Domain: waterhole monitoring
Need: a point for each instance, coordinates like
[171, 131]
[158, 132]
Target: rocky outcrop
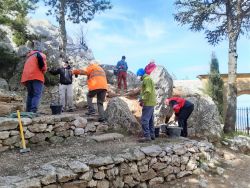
[163, 87]
[119, 116]
[147, 166]
[205, 121]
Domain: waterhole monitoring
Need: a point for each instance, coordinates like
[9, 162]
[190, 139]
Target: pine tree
[215, 84]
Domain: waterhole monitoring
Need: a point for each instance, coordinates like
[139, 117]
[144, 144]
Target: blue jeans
[34, 88]
[147, 121]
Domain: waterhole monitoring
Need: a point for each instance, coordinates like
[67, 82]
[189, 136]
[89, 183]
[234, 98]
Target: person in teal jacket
[147, 101]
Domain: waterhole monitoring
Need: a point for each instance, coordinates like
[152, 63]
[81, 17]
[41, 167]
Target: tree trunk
[231, 106]
[63, 33]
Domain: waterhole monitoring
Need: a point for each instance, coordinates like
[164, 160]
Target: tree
[220, 19]
[13, 14]
[215, 84]
[76, 11]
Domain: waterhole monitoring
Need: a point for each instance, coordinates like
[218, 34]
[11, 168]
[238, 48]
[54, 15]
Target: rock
[118, 182]
[191, 165]
[102, 184]
[102, 128]
[11, 140]
[4, 84]
[150, 174]
[49, 174]
[186, 88]
[183, 173]
[240, 143]
[220, 170]
[158, 166]
[75, 184]
[112, 173]
[171, 177]
[205, 118]
[92, 183]
[3, 148]
[4, 135]
[119, 116]
[129, 181]
[14, 133]
[37, 128]
[165, 172]
[163, 88]
[34, 183]
[65, 175]
[127, 169]
[40, 137]
[152, 151]
[99, 175]
[87, 176]
[8, 123]
[100, 161]
[78, 131]
[179, 150]
[80, 122]
[77, 166]
[156, 181]
[90, 128]
[107, 137]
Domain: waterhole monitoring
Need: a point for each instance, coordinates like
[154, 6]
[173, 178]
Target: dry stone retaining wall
[138, 167]
[53, 129]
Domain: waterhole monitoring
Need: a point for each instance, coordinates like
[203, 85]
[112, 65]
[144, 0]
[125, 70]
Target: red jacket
[31, 69]
[180, 103]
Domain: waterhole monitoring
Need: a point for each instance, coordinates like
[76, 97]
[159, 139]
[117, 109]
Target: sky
[145, 29]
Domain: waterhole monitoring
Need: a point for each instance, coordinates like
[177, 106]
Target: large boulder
[119, 116]
[239, 143]
[186, 88]
[205, 120]
[4, 84]
[163, 87]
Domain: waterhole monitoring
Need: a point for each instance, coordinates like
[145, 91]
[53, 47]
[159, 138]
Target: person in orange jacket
[183, 109]
[33, 78]
[97, 85]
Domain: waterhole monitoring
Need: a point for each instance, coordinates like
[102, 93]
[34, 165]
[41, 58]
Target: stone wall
[135, 167]
[52, 129]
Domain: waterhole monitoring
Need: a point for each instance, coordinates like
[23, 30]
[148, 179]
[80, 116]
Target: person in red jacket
[33, 78]
[183, 109]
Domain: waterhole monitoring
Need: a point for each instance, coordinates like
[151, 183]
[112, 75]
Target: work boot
[144, 139]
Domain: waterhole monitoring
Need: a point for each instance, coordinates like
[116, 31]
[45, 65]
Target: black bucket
[56, 109]
[157, 131]
[174, 131]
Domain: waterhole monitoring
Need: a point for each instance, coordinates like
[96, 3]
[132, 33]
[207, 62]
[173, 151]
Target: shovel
[24, 149]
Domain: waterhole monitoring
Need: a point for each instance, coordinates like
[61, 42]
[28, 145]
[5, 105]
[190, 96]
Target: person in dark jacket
[122, 68]
[65, 86]
[183, 109]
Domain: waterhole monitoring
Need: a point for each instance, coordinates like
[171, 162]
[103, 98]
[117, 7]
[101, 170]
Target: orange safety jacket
[96, 77]
[31, 70]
